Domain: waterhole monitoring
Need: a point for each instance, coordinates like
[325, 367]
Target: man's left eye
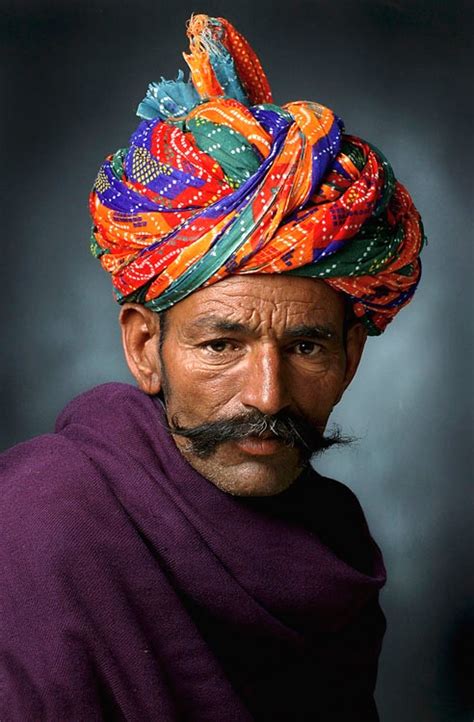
[306, 348]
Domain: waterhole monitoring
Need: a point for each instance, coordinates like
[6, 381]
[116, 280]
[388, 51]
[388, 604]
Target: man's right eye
[219, 345]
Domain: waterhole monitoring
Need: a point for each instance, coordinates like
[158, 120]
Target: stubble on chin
[244, 477]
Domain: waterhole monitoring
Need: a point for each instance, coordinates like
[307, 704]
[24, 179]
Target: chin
[241, 474]
[254, 489]
[252, 480]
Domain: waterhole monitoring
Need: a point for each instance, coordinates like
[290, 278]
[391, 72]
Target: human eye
[219, 346]
[306, 348]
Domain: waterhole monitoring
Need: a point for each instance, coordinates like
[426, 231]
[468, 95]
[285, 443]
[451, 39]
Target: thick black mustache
[294, 431]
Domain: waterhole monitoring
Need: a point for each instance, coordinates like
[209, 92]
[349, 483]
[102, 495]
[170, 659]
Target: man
[169, 553]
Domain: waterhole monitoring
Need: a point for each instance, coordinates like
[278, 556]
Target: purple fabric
[132, 588]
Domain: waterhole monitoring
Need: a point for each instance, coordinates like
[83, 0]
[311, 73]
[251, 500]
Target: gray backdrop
[398, 73]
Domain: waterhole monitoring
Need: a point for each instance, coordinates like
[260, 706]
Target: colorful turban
[218, 180]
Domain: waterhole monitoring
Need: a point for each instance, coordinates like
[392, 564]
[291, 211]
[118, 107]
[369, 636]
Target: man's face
[267, 343]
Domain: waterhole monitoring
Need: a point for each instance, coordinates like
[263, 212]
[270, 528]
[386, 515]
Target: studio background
[398, 73]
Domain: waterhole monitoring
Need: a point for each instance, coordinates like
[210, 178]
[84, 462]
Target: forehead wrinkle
[230, 293]
[216, 323]
[238, 310]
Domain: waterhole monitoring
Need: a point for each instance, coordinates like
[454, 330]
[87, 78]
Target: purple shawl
[133, 589]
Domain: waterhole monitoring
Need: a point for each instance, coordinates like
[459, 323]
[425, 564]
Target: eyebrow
[318, 332]
[221, 325]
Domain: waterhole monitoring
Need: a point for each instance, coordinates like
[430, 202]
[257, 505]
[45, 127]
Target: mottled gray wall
[398, 73]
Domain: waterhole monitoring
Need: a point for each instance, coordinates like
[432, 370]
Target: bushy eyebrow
[319, 332]
[221, 325]
[215, 324]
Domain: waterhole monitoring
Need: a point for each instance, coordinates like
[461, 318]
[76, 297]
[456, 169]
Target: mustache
[291, 429]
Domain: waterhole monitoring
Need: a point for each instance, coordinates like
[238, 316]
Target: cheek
[198, 388]
[315, 394]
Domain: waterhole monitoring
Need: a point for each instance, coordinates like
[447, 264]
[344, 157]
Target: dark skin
[265, 342]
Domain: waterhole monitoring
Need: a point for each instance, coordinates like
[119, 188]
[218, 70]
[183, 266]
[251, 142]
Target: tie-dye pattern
[218, 180]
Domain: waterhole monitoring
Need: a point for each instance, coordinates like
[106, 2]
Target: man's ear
[356, 337]
[141, 342]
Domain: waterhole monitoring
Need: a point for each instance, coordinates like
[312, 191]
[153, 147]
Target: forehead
[270, 300]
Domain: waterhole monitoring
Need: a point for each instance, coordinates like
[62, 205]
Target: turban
[218, 180]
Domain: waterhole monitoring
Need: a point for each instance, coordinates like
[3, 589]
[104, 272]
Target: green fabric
[236, 156]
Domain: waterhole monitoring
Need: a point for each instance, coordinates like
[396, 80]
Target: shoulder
[41, 466]
[60, 492]
[37, 467]
[45, 486]
[56, 505]
[105, 407]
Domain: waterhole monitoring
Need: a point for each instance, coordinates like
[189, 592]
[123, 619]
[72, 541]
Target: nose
[265, 386]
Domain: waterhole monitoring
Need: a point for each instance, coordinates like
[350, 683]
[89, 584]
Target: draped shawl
[133, 588]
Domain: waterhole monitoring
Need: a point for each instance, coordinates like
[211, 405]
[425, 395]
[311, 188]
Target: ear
[141, 339]
[355, 341]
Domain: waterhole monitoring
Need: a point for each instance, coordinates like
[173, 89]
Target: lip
[258, 446]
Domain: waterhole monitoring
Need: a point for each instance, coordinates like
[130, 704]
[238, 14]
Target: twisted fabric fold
[218, 180]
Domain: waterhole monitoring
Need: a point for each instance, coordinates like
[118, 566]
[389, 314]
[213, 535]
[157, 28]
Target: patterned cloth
[218, 180]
